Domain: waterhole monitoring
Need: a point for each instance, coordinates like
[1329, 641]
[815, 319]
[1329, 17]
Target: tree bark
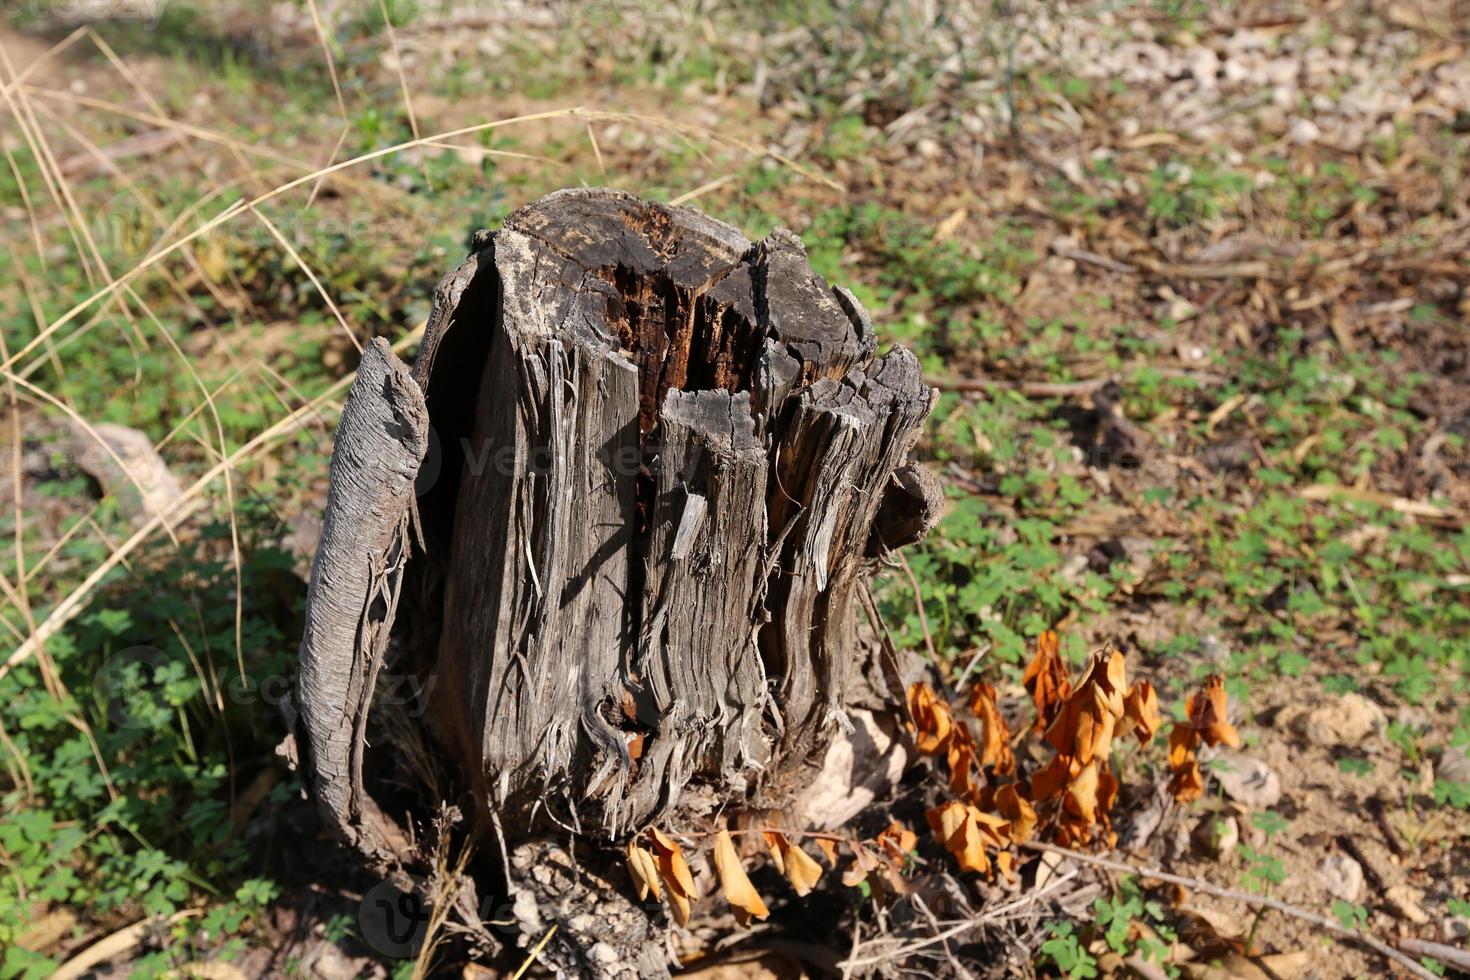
[655, 464]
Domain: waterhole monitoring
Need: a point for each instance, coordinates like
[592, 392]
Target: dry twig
[1235, 895]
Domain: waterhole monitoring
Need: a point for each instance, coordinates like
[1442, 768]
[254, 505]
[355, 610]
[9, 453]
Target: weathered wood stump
[621, 515]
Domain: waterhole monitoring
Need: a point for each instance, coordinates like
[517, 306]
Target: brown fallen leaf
[737, 889]
[644, 870]
[672, 867]
[1205, 721]
[995, 738]
[1046, 679]
[946, 228]
[1018, 811]
[50, 929]
[933, 721]
[793, 862]
[1141, 711]
[1233, 966]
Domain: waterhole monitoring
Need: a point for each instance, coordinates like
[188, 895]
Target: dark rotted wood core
[679, 463]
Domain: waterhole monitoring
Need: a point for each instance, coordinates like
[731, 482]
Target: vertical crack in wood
[711, 461]
[669, 462]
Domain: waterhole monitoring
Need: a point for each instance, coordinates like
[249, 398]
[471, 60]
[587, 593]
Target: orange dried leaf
[776, 844]
[1107, 795]
[672, 867]
[1186, 784]
[1141, 711]
[933, 720]
[1019, 813]
[959, 828]
[1051, 780]
[944, 818]
[1182, 740]
[1209, 711]
[828, 847]
[679, 904]
[961, 758]
[738, 890]
[1111, 675]
[1046, 679]
[1081, 799]
[991, 825]
[897, 841]
[801, 870]
[793, 862]
[1206, 711]
[995, 737]
[644, 871]
[1084, 725]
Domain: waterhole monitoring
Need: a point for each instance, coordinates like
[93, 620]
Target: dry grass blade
[315, 282]
[8, 88]
[112, 946]
[535, 952]
[903, 949]
[188, 502]
[702, 189]
[240, 207]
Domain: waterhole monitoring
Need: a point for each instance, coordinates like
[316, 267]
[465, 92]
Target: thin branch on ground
[1235, 895]
[1064, 389]
[985, 917]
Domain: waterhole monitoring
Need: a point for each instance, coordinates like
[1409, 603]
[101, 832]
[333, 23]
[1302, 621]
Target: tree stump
[619, 519]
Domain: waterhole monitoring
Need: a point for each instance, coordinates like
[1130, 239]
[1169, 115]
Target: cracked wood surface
[662, 462]
[354, 591]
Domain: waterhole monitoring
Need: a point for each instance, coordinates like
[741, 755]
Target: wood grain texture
[648, 601]
[355, 586]
[655, 465]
